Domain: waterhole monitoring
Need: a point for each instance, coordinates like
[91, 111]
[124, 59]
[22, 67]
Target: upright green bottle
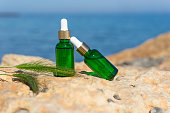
[64, 49]
[95, 60]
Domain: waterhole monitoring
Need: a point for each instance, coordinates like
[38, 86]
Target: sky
[85, 6]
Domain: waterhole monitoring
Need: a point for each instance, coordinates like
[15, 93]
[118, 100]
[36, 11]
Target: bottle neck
[64, 40]
[83, 49]
[87, 53]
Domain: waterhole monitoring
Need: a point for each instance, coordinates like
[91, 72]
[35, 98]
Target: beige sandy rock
[14, 59]
[134, 92]
[165, 65]
[134, 89]
[156, 48]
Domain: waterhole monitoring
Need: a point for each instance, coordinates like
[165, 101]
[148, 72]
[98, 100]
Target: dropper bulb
[75, 42]
[64, 26]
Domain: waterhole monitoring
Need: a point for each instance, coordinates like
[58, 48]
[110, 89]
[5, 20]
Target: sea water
[37, 34]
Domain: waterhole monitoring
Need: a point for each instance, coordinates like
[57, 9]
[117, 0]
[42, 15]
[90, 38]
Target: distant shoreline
[8, 14]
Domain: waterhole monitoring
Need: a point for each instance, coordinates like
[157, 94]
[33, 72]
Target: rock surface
[154, 48]
[13, 59]
[135, 89]
[144, 62]
[135, 93]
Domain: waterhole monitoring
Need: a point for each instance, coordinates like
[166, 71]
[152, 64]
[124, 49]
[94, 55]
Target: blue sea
[37, 34]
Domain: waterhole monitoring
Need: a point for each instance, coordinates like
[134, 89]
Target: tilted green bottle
[64, 49]
[95, 60]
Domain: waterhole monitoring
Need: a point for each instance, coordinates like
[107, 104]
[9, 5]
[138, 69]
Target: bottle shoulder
[93, 54]
[64, 45]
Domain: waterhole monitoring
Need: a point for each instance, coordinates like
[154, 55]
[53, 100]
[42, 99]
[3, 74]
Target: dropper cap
[75, 42]
[82, 48]
[64, 33]
[64, 26]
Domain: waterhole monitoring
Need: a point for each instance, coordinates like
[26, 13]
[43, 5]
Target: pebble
[156, 110]
[44, 90]
[116, 96]
[101, 90]
[110, 100]
[22, 111]
[119, 78]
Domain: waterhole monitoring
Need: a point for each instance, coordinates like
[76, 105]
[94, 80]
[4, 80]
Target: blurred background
[31, 27]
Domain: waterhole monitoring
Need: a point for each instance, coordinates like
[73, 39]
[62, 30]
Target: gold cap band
[64, 34]
[83, 49]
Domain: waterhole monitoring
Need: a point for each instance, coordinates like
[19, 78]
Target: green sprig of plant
[38, 67]
[28, 80]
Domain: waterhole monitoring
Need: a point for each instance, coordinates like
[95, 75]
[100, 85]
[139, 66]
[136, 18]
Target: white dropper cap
[75, 42]
[64, 26]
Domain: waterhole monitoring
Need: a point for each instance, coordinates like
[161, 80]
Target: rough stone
[153, 53]
[14, 59]
[134, 89]
[93, 95]
[154, 48]
[144, 62]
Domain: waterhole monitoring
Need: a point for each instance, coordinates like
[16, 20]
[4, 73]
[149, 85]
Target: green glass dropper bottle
[64, 49]
[95, 60]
